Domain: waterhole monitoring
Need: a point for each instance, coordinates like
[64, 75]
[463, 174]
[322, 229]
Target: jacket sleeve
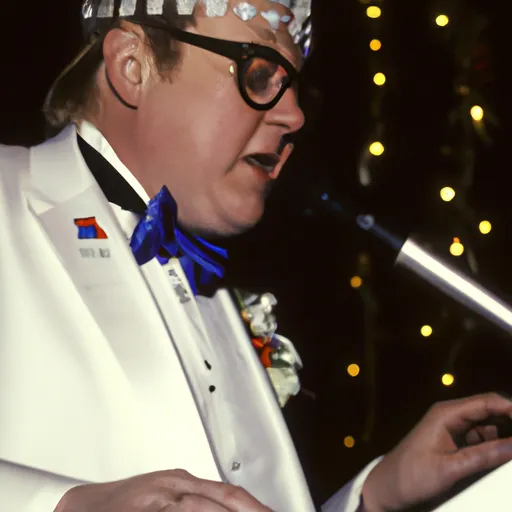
[27, 490]
[23, 489]
[348, 499]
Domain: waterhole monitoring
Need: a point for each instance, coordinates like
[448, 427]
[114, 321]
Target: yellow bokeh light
[447, 194]
[477, 113]
[349, 442]
[485, 227]
[456, 249]
[442, 20]
[373, 12]
[375, 45]
[356, 282]
[353, 370]
[376, 148]
[447, 379]
[426, 331]
[379, 79]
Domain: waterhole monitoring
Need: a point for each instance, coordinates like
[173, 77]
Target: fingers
[193, 503]
[232, 498]
[480, 434]
[475, 459]
[459, 415]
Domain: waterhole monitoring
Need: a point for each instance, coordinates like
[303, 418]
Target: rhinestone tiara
[299, 27]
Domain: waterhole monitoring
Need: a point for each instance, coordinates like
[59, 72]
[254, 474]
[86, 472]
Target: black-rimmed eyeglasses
[263, 74]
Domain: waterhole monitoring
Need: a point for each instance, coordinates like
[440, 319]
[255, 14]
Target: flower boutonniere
[277, 353]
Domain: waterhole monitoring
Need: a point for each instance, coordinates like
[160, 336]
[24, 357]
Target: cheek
[191, 139]
[222, 123]
[202, 130]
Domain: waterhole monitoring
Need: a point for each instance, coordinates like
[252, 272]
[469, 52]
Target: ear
[127, 61]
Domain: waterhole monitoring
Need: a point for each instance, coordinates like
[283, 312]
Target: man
[128, 380]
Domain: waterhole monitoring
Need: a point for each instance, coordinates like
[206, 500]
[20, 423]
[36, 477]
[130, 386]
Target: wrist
[373, 497]
[368, 501]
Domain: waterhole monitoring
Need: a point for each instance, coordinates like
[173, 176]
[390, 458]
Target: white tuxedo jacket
[104, 372]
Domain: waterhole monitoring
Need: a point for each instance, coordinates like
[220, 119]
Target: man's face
[194, 131]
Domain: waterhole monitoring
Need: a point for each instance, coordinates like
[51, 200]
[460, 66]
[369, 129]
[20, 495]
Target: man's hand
[164, 491]
[428, 462]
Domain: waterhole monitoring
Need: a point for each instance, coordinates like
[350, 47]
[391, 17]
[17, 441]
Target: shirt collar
[96, 140]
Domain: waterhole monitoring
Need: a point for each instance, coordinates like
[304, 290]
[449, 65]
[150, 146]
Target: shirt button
[235, 466]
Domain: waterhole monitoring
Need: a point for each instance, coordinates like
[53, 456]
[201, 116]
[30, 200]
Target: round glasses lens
[263, 80]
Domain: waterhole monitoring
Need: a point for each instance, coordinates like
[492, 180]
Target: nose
[287, 113]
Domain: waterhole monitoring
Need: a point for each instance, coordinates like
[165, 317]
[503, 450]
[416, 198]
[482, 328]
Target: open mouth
[265, 161]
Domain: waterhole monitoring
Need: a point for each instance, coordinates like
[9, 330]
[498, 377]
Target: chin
[224, 227]
[241, 226]
[242, 221]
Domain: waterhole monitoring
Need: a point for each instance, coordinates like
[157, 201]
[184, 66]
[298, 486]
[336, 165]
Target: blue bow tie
[158, 235]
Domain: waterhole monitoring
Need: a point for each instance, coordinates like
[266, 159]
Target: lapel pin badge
[89, 229]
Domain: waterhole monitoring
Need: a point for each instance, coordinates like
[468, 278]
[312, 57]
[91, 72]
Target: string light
[442, 20]
[353, 370]
[356, 282]
[485, 227]
[456, 249]
[426, 331]
[376, 148]
[349, 442]
[477, 112]
[447, 194]
[373, 12]
[379, 79]
[447, 379]
[375, 45]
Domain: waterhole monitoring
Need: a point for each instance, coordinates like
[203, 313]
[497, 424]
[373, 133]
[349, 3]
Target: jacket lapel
[121, 310]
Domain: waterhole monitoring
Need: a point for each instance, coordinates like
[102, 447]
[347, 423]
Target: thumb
[474, 459]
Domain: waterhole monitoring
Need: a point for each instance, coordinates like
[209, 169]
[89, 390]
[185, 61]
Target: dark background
[307, 261]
